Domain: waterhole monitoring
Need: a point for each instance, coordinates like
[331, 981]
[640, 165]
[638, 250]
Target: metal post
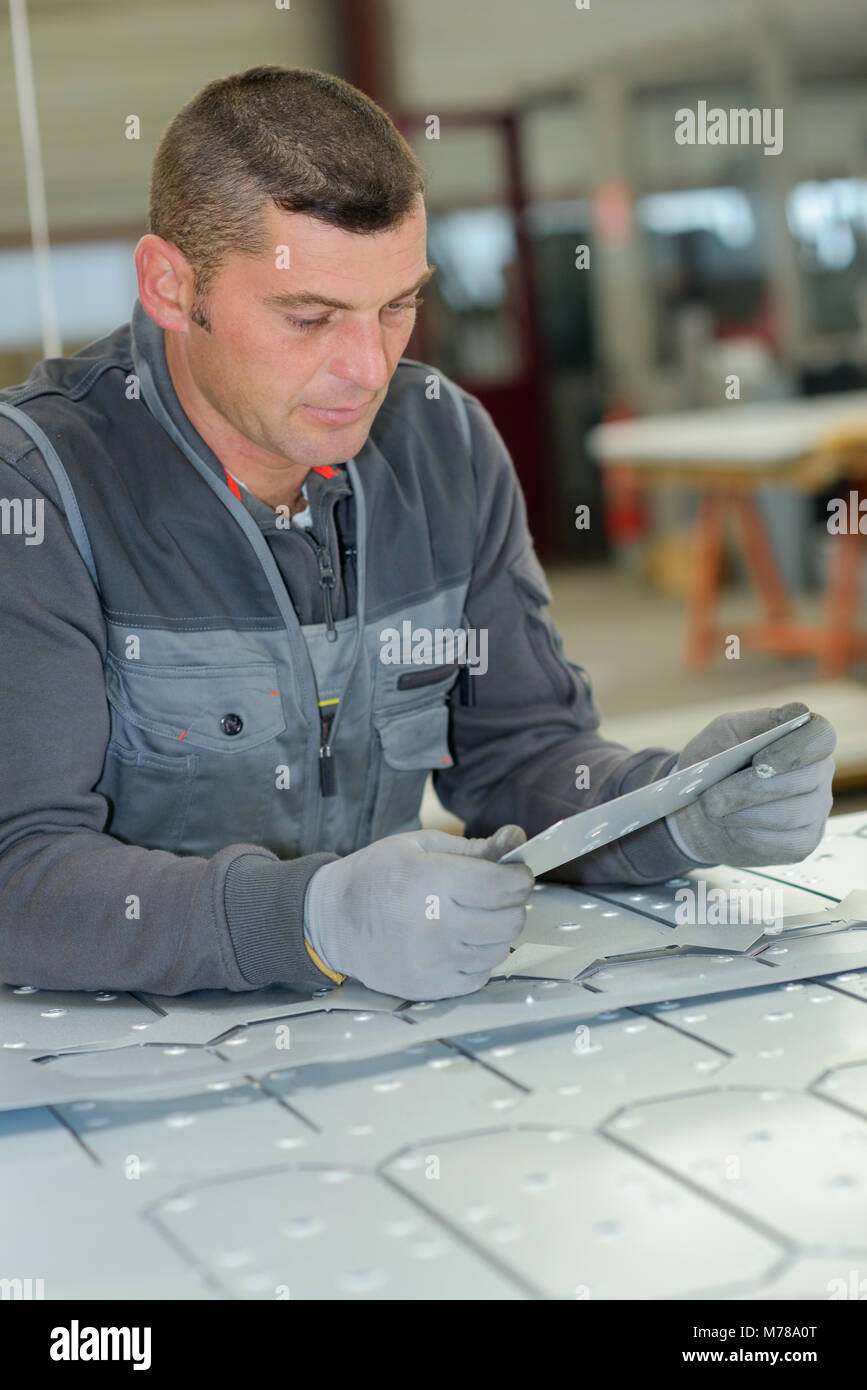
[22, 59]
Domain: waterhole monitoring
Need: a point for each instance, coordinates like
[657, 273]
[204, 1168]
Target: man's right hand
[424, 915]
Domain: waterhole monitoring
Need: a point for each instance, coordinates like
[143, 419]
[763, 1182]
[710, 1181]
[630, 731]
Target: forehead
[305, 253]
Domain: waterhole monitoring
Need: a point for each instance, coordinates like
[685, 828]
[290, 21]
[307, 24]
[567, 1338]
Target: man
[215, 737]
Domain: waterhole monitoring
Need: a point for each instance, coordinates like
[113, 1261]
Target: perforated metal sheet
[329, 1233]
[361, 1113]
[229, 1127]
[851, 982]
[847, 1085]
[770, 1035]
[836, 867]
[790, 1162]
[698, 1090]
[580, 1217]
[584, 832]
[45, 1019]
[573, 1072]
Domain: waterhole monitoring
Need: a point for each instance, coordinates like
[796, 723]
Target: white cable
[22, 59]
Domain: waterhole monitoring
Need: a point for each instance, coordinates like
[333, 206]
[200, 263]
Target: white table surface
[740, 436]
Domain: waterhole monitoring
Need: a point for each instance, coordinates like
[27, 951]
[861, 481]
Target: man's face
[291, 372]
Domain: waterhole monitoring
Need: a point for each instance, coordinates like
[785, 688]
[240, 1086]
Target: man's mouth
[340, 416]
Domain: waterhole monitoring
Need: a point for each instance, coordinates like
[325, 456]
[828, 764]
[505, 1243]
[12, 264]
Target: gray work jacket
[195, 712]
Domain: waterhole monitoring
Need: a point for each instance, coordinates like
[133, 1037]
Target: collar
[149, 349]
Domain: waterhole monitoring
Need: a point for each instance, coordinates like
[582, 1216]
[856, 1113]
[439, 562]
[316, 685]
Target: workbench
[634, 1108]
[731, 455]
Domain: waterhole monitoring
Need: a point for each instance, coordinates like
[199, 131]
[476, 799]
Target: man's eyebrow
[287, 300]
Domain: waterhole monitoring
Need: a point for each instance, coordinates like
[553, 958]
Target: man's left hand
[772, 812]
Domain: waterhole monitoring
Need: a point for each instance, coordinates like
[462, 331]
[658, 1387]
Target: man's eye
[307, 325]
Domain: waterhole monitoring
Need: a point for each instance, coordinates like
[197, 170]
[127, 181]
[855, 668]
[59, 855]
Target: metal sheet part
[573, 1073]
[852, 982]
[360, 1115]
[684, 1115]
[811, 1278]
[229, 1127]
[201, 1016]
[580, 1218]
[803, 956]
[580, 834]
[677, 976]
[770, 1034]
[846, 1086]
[45, 1019]
[791, 1163]
[836, 867]
[330, 1233]
[718, 902]
[341, 1035]
[77, 1229]
[28, 1079]
[567, 931]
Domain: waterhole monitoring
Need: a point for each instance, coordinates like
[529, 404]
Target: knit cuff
[674, 828]
[655, 851]
[264, 900]
[654, 854]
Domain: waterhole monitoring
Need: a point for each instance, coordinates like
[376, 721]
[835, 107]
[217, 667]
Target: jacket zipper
[327, 716]
[327, 768]
[327, 582]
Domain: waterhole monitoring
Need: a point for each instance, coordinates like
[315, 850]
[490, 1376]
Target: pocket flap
[416, 739]
[199, 705]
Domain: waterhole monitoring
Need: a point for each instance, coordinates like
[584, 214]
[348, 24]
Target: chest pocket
[190, 764]
[411, 740]
[226, 709]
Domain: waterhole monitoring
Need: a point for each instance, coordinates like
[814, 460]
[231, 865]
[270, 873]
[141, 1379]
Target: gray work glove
[423, 915]
[773, 812]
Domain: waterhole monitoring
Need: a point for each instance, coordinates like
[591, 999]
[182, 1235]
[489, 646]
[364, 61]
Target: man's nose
[361, 357]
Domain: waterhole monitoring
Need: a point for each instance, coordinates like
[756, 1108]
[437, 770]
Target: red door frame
[519, 405]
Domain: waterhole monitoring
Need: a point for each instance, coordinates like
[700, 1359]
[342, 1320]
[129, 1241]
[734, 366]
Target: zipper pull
[327, 769]
[327, 582]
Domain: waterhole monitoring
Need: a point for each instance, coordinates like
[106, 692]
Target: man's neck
[294, 505]
[276, 486]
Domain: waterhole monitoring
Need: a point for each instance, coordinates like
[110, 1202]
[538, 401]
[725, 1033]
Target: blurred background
[704, 304]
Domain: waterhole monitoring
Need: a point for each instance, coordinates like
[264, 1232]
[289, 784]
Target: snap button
[231, 723]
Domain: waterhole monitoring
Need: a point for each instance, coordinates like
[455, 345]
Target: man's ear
[166, 285]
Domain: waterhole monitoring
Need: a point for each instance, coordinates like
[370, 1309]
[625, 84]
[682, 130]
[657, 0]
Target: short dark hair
[306, 140]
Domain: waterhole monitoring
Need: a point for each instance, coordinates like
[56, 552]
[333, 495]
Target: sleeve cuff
[674, 830]
[264, 900]
[655, 854]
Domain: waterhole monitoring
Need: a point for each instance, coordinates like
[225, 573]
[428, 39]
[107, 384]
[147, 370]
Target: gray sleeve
[78, 909]
[521, 746]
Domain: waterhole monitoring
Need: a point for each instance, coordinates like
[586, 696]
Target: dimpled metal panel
[630, 1082]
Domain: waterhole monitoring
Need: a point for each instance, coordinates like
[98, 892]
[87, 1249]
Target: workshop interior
[624, 453]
